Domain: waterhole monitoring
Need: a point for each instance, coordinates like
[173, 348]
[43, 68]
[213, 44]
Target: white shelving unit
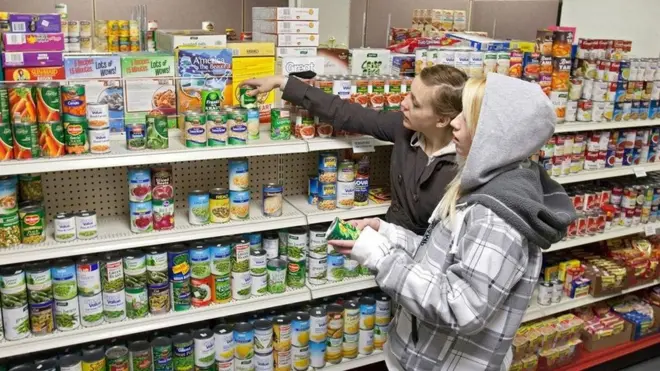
[349, 364]
[584, 175]
[314, 215]
[615, 232]
[338, 288]
[570, 127]
[325, 144]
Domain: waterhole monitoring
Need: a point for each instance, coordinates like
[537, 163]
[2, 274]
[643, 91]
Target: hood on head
[516, 119]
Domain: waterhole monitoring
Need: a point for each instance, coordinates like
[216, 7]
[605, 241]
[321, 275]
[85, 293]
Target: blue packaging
[654, 110]
[313, 190]
[627, 156]
[238, 175]
[328, 161]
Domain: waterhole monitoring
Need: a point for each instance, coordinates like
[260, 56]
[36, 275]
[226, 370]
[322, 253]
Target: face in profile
[417, 108]
[462, 138]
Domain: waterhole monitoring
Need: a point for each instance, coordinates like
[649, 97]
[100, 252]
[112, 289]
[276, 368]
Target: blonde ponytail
[473, 94]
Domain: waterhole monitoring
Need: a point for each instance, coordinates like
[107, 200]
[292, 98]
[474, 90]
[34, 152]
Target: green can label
[181, 295]
[53, 136]
[162, 357]
[137, 304]
[48, 103]
[34, 138]
[4, 105]
[157, 132]
[341, 230]
[280, 124]
[296, 274]
[221, 289]
[33, 225]
[75, 137]
[245, 100]
[6, 142]
[211, 99]
[22, 141]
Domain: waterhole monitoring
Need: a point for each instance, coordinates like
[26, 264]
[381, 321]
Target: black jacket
[416, 187]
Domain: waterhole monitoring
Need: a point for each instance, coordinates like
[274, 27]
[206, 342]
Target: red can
[576, 163]
[628, 215]
[559, 146]
[618, 157]
[602, 158]
[578, 201]
[602, 220]
[590, 200]
[591, 161]
[582, 224]
[592, 223]
[605, 197]
[617, 195]
[637, 216]
[571, 231]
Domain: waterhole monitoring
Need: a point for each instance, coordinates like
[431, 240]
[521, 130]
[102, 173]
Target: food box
[45, 23]
[34, 73]
[403, 65]
[97, 74]
[149, 85]
[199, 68]
[369, 62]
[32, 59]
[286, 27]
[300, 51]
[336, 60]
[245, 68]
[33, 42]
[285, 14]
[479, 43]
[251, 49]
[287, 40]
[288, 65]
[169, 40]
[594, 343]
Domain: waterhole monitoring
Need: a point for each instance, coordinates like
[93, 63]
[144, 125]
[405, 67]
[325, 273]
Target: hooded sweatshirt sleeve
[489, 261]
[342, 114]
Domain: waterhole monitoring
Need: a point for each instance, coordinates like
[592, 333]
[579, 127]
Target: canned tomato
[194, 129]
[198, 207]
[162, 182]
[239, 205]
[237, 126]
[136, 136]
[241, 285]
[163, 214]
[33, 224]
[141, 214]
[216, 128]
[277, 269]
[224, 343]
[280, 124]
[139, 184]
[305, 125]
[219, 205]
[157, 135]
[239, 179]
[272, 199]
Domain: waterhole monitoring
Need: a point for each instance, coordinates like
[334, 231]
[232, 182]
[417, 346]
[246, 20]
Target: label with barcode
[288, 40]
[649, 229]
[285, 25]
[15, 39]
[19, 27]
[13, 58]
[286, 11]
[639, 172]
[363, 145]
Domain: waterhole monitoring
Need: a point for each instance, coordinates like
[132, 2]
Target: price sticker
[639, 172]
[649, 230]
[363, 145]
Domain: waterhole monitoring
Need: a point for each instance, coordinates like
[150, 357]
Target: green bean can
[295, 276]
[33, 224]
[181, 295]
[211, 99]
[112, 272]
[245, 100]
[277, 276]
[159, 298]
[297, 244]
[280, 124]
[157, 136]
[137, 303]
[12, 287]
[204, 349]
[114, 306]
[363, 271]
[156, 260]
[161, 351]
[184, 359]
[135, 269]
[39, 283]
[117, 358]
[341, 230]
[140, 356]
[221, 289]
[30, 187]
[240, 255]
[283, 238]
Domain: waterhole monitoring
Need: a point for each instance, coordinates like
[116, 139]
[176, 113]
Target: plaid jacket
[469, 299]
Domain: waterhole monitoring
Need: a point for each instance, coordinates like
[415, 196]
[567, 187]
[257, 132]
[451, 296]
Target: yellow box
[252, 49]
[245, 68]
[524, 46]
[563, 267]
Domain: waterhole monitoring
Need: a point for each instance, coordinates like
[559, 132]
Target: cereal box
[33, 42]
[199, 68]
[34, 74]
[32, 59]
[101, 76]
[149, 85]
[259, 62]
[45, 23]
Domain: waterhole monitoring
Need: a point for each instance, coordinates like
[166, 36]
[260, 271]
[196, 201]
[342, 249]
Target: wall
[635, 20]
[335, 19]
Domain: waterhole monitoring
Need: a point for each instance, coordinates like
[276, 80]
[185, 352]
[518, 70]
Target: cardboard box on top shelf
[32, 59]
[33, 42]
[593, 344]
[369, 62]
[169, 40]
[285, 14]
[296, 51]
[287, 39]
[34, 73]
[480, 43]
[251, 49]
[285, 27]
[23, 22]
[336, 60]
[250, 60]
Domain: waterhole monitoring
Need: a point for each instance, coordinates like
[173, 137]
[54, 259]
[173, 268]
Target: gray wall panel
[516, 19]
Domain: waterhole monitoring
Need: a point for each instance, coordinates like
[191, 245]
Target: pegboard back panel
[297, 168]
[106, 190]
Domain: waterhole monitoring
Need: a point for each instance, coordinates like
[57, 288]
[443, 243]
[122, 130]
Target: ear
[442, 123]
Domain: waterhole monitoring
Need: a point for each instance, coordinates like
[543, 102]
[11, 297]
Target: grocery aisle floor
[651, 364]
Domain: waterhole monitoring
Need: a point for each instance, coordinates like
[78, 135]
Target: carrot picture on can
[21, 104]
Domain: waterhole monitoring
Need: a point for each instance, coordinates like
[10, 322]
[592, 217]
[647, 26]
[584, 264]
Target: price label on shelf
[363, 145]
[639, 172]
[649, 230]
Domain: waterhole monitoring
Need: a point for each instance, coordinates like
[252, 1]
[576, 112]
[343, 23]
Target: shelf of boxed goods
[586, 175]
[570, 127]
[349, 364]
[314, 215]
[115, 234]
[536, 311]
[615, 232]
[121, 156]
[33, 344]
[327, 144]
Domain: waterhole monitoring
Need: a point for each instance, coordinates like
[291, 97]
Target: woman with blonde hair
[423, 159]
[464, 286]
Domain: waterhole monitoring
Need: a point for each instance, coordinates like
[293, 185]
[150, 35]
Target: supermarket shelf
[121, 156]
[314, 215]
[323, 144]
[338, 288]
[536, 311]
[115, 234]
[349, 364]
[586, 126]
[127, 327]
[587, 360]
[615, 232]
[584, 176]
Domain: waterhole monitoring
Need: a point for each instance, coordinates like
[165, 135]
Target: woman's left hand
[346, 246]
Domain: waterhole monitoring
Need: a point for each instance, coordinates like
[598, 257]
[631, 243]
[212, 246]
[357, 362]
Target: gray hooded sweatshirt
[469, 284]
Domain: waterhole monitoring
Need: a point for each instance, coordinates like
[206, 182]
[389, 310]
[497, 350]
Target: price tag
[649, 230]
[363, 145]
[639, 172]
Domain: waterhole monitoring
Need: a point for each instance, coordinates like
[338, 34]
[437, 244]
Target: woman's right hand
[264, 84]
[345, 246]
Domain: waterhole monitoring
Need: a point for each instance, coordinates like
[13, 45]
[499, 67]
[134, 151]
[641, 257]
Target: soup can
[272, 199]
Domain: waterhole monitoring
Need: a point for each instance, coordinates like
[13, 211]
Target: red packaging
[605, 197]
[578, 201]
[582, 225]
[591, 201]
[34, 74]
[617, 194]
[571, 231]
[602, 157]
[602, 220]
[592, 223]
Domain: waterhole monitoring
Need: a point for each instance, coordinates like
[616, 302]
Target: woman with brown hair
[423, 158]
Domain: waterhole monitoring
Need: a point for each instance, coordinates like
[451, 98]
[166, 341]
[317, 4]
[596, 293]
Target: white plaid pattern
[469, 304]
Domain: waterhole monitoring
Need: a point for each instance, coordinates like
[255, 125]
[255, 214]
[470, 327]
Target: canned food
[300, 329]
[139, 184]
[240, 258]
[219, 205]
[318, 271]
[137, 302]
[245, 100]
[216, 128]
[327, 203]
[88, 276]
[335, 263]
[277, 269]
[162, 354]
[94, 360]
[159, 298]
[253, 124]
[272, 199]
[211, 99]
[243, 341]
[318, 325]
[183, 357]
[194, 129]
[224, 342]
[86, 225]
[141, 215]
[297, 244]
[263, 337]
[181, 295]
[221, 289]
[200, 268]
[204, 349]
[295, 277]
[91, 310]
[241, 285]
[345, 195]
[280, 124]
[198, 207]
[157, 131]
[33, 224]
[239, 179]
[99, 140]
[239, 205]
[237, 126]
[178, 257]
[351, 317]
[136, 136]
